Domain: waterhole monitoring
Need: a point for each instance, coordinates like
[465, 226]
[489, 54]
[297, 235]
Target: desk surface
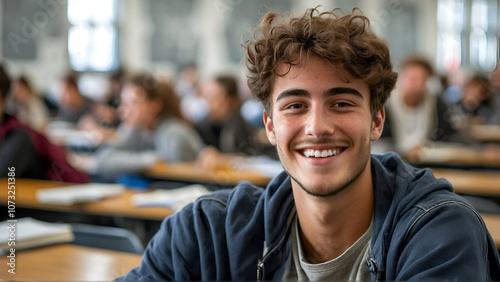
[459, 155]
[485, 133]
[116, 206]
[189, 172]
[472, 182]
[493, 224]
[66, 262]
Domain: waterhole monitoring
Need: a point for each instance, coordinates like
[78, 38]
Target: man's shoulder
[407, 184]
[244, 196]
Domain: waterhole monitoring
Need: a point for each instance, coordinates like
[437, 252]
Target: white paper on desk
[174, 199]
[69, 195]
[264, 165]
[31, 233]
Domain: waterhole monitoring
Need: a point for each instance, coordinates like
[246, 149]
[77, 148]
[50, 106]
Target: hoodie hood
[398, 187]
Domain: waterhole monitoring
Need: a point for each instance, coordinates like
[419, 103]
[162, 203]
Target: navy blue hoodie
[421, 231]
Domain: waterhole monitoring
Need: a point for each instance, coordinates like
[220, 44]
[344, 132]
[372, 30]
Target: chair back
[105, 237]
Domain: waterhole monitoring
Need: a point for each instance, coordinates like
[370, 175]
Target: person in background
[336, 212]
[105, 113]
[476, 104]
[224, 130]
[27, 106]
[72, 105]
[495, 84]
[193, 106]
[415, 116]
[103, 119]
[28, 152]
[150, 108]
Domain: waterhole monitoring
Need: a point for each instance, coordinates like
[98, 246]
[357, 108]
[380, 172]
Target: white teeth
[319, 154]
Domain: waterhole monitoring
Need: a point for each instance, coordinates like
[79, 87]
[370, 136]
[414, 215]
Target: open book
[27, 233]
[68, 195]
[174, 199]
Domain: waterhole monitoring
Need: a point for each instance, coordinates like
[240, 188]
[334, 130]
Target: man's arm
[190, 245]
[448, 242]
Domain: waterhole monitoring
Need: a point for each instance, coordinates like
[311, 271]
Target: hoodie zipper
[260, 263]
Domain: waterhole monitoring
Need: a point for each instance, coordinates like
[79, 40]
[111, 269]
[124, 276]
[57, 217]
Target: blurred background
[68, 60]
[47, 38]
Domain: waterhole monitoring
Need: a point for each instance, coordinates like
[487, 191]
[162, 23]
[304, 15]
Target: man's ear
[268, 123]
[378, 124]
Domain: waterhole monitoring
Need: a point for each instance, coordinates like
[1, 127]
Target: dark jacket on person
[421, 231]
[32, 155]
[235, 135]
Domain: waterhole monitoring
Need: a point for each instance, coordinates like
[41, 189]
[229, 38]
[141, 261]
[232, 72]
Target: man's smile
[321, 153]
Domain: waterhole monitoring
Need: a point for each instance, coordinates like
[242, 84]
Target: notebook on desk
[174, 199]
[25, 233]
[69, 195]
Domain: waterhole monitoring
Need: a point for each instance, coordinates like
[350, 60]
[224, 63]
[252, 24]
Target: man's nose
[319, 123]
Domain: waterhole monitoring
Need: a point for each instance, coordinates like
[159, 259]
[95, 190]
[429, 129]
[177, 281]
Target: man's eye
[342, 104]
[295, 106]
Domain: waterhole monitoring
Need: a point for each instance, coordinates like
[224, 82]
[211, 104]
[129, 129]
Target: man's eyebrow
[330, 92]
[293, 92]
[343, 90]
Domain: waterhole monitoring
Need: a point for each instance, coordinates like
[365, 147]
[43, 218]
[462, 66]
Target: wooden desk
[189, 172]
[485, 133]
[65, 262]
[472, 182]
[116, 206]
[459, 155]
[493, 224]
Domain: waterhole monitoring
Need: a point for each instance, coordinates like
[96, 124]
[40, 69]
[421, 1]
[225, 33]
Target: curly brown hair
[343, 40]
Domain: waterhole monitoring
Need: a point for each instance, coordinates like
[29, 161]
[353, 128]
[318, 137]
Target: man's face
[70, 97]
[474, 94]
[413, 84]
[217, 99]
[322, 126]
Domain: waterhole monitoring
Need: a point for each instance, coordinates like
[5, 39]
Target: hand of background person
[211, 159]
[416, 154]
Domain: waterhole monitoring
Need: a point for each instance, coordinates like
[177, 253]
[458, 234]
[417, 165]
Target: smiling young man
[336, 212]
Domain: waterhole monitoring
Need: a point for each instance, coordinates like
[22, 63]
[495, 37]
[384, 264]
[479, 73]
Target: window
[467, 34]
[483, 37]
[92, 38]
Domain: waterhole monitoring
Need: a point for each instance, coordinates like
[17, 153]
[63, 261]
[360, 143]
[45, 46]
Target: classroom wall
[148, 29]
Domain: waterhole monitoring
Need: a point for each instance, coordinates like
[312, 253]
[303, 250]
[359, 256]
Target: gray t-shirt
[350, 266]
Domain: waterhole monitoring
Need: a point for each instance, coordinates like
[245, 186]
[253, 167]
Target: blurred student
[228, 135]
[150, 108]
[72, 105]
[103, 117]
[414, 115]
[28, 152]
[495, 83]
[106, 112]
[476, 105]
[193, 106]
[28, 107]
